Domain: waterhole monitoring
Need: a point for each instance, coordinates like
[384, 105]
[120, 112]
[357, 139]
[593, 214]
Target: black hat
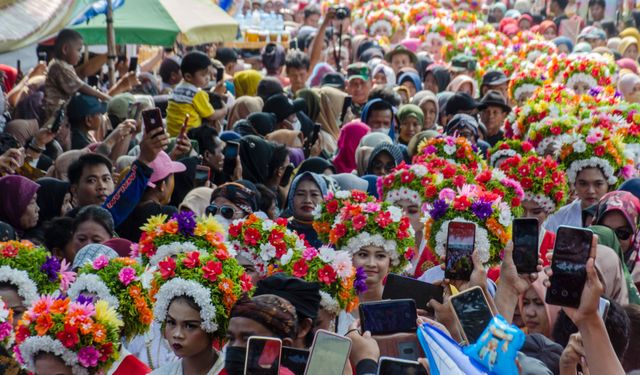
[335, 80]
[495, 99]
[303, 295]
[371, 53]
[401, 50]
[83, 105]
[283, 107]
[263, 123]
[460, 101]
[494, 77]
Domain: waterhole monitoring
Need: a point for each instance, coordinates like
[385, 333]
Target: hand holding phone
[152, 119]
[400, 287]
[525, 245]
[388, 317]
[472, 311]
[203, 174]
[329, 354]
[460, 244]
[185, 124]
[263, 356]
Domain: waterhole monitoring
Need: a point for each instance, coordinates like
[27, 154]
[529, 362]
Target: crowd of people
[285, 184]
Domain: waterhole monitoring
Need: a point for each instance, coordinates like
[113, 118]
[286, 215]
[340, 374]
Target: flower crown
[463, 19]
[6, 325]
[268, 244]
[86, 336]
[590, 70]
[125, 285]
[547, 132]
[554, 65]
[327, 213]
[525, 82]
[471, 203]
[508, 189]
[457, 150]
[183, 232]
[422, 12]
[214, 282]
[467, 5]
[534, 49]
[630, 112]
[509, 148]
[405, 182]
[382, 18]
[441, 28]
[522, 38]
[33, 270]
[508, 64]
[544, 181]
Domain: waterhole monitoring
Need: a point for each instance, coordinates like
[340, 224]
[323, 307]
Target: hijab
[394, 150]
[350, 136]
[52, 192]
[289, 138]
[630, 31]
[316, 164]
[242, 193]
[312, 99]
[614, 274]
[626, 84]
[410, 110]
[627, 63]
[349, 181]
[544, 25]
[197, 200]
[22, 130]
[310, 176]
[441, 74]
[551, 310]
[626, 43]
[255, 156]
[629, 206]
[242, 108]
[413, 77]
[16, 193]
[246, 82]
[319, 71]
[331, 103]
[388, 72]
[460, 80]
[563, 40]
[91, 252]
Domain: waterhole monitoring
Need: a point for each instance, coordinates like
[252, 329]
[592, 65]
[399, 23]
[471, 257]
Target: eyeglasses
[226, 211]
[623, 234]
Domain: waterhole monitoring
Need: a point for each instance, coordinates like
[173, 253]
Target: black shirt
[130, 228]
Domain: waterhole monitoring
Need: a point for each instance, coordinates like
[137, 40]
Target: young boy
[188, 96]
[62, 81]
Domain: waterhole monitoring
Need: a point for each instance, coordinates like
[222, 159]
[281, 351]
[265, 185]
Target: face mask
[295, 124]
[381, 130]
[223, 221]
[234, 360]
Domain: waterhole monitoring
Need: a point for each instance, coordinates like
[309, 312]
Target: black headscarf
[303, 295]
[50, 197]
[242, 193]
[268, 87]
[394, 150]
[263, 123]
[274, 312]
[255, 156]
[316, 164]
[184, 181]
[442, 76]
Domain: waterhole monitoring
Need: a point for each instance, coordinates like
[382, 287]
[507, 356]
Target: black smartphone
[42, 56]
[387, 317]
[525, 244]
[19, 66]
[286, 176]
[133, 64]
[230, 153]
[329, 354]
[473, 313]
[312, 139]
[345, 107]
[460, 242]
[569, 265]
[397, 366]
[401, 287]
[219, 74]
[58, 120]
[152, 119]
[294, 359]
[263, 356]
[203, 174]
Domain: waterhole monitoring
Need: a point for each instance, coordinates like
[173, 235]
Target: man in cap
[358, 85]
[493, 110]
[285, 110]
[496, 80]
[460, 102]
[400, 57]
[462, 64]
[85, 114]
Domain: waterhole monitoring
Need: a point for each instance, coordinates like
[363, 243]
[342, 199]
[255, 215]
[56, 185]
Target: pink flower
[627, 171]
[66, 277]
[100, 262]
[127, 275]
[309, 253]
[5, 330]
[81, 310]
[372, 207]
[447, 194]
[88, 356]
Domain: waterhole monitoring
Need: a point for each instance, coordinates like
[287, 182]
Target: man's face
[297, 77]
[312, 20]
[380, 119]
[358, 89]
[597, 12]
[493, 118]
[399, 61]
[94, 187]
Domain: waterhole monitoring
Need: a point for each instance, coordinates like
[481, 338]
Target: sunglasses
[623, 234]
[226, 211]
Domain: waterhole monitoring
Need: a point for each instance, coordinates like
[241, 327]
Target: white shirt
[175, 368]
[570, 214]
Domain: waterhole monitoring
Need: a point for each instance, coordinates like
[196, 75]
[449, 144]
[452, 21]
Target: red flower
[548, 187]
[557, 177]
[524, 170]
[555, 130]
[192, 260]
[281, 221]
[167, 267]
[235, 230]
[332, 206]
[484, 177]
[504, 146]
[252, 236]
[281, 249]
[10, 251]
[387, 180]
[22, 333]
[430, 191]
[460, 153]
[540, 172]
[359, 196]
[598, 150]
[69, 337]
[405, 223]
[515, 202]
[222, 254]
[526, 146]
[448, 171]
[359, 222]
[459, 180]
[327, 275]
[245, 282]
[461, 203]
[211, 270]
[383, 219]
[407, 176]
[105, 351]
[559, 195]
[276, 236]
[526, 183]
[409, 254]
[300, 268]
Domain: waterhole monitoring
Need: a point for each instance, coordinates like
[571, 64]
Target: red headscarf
[350, 136]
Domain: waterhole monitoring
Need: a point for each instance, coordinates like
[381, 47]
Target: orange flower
[229, 300]
[41, 307]
[170, 227]
[59, 306]
[99, 333]
[250, 220]
[226, 285]
[127, 261]
[566, 152]
[497, 230]
[134, 291]
[321, 227]
[146, 316]
[43, 324]
[352, 304]
[87, 327]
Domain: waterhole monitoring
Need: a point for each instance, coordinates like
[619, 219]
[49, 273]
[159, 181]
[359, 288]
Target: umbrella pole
[111, 45]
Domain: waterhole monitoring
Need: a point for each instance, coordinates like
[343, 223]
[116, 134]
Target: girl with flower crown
[8, 365]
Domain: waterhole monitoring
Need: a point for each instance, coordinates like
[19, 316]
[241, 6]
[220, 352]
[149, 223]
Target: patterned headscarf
[275, 313]
[629, 206]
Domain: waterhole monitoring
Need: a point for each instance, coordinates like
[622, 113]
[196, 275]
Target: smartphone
[152, 119]
[286, 175]
[185, 124]
[42, 56]
[473, 313]
[525, 244]
[345, 107]
[396, 366]
[263, 356]
[461, 238]
[203, 174]
[387, 317]
[603, 308]
[294, 359]
[58, 120]
[312, 139]
[569, 265]
[329, 354]
[219, 74]
[133, 64]
[401, 287]
[230, 153]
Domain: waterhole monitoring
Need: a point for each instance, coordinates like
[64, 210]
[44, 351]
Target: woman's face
[87, 233]
[534, 313]
[466, 87]
[325, 320]
[240, 329]
[66, 204]
[533, 209]
[238, 213]
[430, 83]
[183, 331]
[616, 221]
[631, 52]
[382, 164]
[49, 364]
[380, 78]
[581, 88]
[563, 48]
[430, 113]
[411, 87]
[550, 33]
[408, 128]
[524, 24]
[305, 200]
[375, 261]
[10, 297]
[29, 218]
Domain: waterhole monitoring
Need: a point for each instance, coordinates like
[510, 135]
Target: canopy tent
[163, 22]
[24, 22]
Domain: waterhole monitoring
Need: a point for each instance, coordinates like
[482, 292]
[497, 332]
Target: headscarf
[630, 31]
[122, 246]
[613, 43]
[91, 252]
[22, 130]
[51, 197]
[197, 200]
[273, 312]
[255, 155]
[242, 108]
[7, 233]
[626, 43]
[242, 193]
[268, 87]
[262, 123]
[316, 164]
[246, 82]
[582, 47]
[310, 176]
[394, 150]
[331, 103]
[629, 206]
[388, 72]
[627, 63]
[563, 40]
[289, 138]
[363, 153]
[318, 73]
[350, 136]
[61, 165]
[412, 147]
[349, 181]
[544, 25]
[461, 121]
[626, 84]
[443, 97]
[441, 74]
[460, 80]
[410, 110]
[551, 310]
[303, 295]
[413, 77]
[16, 193]
[632, 185]
[296, 156]
[312, 99]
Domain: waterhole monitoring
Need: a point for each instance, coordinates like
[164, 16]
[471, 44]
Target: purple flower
[439, 209]
[51, 267]
[481, 209]
[88, 356]
[127, 275]
[186, 222]
[84, 299]
[595, 91]
[359, 284]
[431, 149]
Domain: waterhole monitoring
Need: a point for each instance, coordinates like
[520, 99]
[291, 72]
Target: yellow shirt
[187, 98]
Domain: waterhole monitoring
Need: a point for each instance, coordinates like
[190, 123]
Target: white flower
[180, 287]
[267, 251]
[603, 164]
[396, 213]
[343, 265]
[37, 344]
[299, 244]
[343, 194]
[317, 210]
[365, 239]
[27, 289]
[542, 200]
[326, 254]
[449, 149]
[505, 218]
[286, 257]
[92, 283]
[419, 170]
[498, 174]
[438, 178]
[147, 276]
[579, 147]
[267, 225]
[329, 303]
[173, 248]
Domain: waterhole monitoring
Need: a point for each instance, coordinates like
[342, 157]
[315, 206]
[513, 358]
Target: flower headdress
[32, 270]
[467, 5]
[543, 180]
[508, 189]
[183, 232]
[534, 49]
[554, 65]
[463, 19]
[404, 182]
[125, 285]
[84, 335]
[508, 64]
[420, 13]
[547, 132]
[523, 37]
[525, 82]
[267, 244]
[214, 282]
[630, 112]
[440, 28]
[457, 150]
[382, 20]
[509, 148]
[6, 327]
[588, 69]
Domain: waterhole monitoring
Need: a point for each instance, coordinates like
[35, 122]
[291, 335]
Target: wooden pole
[111, 45]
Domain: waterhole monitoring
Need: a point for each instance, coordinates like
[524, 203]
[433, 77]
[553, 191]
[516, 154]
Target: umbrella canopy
[163, 22]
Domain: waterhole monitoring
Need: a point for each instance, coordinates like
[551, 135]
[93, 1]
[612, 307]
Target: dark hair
[8, 141]
[188, 300]
[58, 232]
[96, 214]
[168, 67]
[562, 3]
[206, 137]
[297, 59]
[311, 10]
[280, 153]
[87, 160]
[267, 87]
[267, 198]
[631, 359]
[597, 2]
[193, 62]
[387, 94]
[64, 37]
[226, 55]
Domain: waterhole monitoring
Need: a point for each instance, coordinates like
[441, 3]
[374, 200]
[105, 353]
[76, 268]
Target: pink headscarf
[627, 63]
[626, 84]
[16, 193]
[411, 44]
[551, 310]
[350, 136]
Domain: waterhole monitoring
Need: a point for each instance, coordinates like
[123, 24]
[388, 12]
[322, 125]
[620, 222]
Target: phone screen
[395, 366]
[294, 359]
[460, 243]
[219, 74]
[473, 312]
[133, 64]
[386, 317]
[152, 119]
[525, 244]
[570, 254]
[263, 356]
[329, 354]
[202, 175]
[400, 287]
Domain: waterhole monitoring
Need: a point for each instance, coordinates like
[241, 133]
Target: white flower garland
[384, 24]
[178, 287]
[172, 249]
[403, 193]
[93, 284]
[27, 288]
[501, 154]
[419, 170]
[592, 162]
[542, 200]
[550, 140]
[396, 213]
[36, 344]
[581, 77]
[365, 239]
[329, 303]
[524, 89]
[481, 244]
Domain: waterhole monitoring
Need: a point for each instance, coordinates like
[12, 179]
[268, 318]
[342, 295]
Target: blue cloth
[632, 186]
[563, 40]
[413, 77]
[364, 114]
[126, 196]
[373, 185]
[322, 185]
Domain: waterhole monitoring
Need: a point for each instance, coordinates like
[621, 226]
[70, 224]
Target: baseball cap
[460, 101]
[494, 77]
[358, 70]
[463, 62]
[283, 107]
[400, 49]
[119, 105]
[83, 105]
[162, 167]
[335, 80]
